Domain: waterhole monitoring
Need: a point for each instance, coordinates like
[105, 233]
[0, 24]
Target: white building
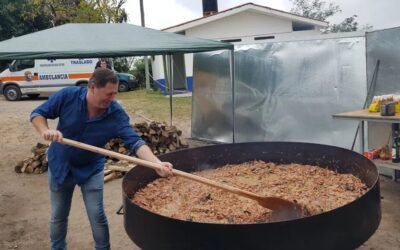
[244, 24]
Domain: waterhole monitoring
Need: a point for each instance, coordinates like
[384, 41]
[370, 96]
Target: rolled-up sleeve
[51, 108]
[125, 131]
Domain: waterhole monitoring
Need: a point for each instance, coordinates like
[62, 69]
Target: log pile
[111, 173]
[114, 170]
[37, 163]
[160, 137]
[118, 146]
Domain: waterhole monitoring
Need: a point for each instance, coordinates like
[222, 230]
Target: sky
[161, 14]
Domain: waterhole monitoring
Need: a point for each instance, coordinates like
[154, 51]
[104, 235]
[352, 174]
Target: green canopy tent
[107, 40]
[102, 40]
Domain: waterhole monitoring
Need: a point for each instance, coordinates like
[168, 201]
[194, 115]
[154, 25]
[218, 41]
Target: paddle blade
[283, 210]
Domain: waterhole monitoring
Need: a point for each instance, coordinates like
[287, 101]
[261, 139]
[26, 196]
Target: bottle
[395, 143]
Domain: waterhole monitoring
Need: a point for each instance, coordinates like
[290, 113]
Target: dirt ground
[25, 207]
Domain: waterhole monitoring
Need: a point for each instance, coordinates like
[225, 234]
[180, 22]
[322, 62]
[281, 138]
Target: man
[89, 115]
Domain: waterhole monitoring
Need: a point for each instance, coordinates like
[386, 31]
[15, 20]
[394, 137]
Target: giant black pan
[346, 227]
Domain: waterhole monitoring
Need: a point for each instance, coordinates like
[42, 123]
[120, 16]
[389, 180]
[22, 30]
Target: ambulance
[45, 76]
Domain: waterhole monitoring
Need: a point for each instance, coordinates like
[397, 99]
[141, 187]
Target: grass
[155, 106]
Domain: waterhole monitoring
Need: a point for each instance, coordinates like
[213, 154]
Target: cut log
[110, 177]
[29, 169]
[35, 163]
[107, 172]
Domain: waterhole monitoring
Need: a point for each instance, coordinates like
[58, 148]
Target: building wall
[245, 26]
[158, 70]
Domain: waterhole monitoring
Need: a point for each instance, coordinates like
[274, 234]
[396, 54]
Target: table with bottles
[363, 115]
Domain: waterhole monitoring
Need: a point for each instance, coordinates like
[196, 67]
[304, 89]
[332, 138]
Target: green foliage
[20, 17]
[347, 25]
[314, 9]
[110, 10]
[70, 11]
[139, 70]
[121, 64]
[86, 13]
[321, 10]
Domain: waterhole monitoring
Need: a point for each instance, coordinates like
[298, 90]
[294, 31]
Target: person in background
[103, 63]
[89, 115]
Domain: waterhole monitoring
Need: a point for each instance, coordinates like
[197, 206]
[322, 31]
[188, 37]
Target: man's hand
[52, 135]
[166, 171]
[145, 153]
[41, 126]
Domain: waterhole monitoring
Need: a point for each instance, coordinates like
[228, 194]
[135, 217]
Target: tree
[320, 10]
[139, 70]
[111, 10]
[87, 13]
[20, 17]
[314, 9]
[121, 64]
[347, 25]
[70, 11]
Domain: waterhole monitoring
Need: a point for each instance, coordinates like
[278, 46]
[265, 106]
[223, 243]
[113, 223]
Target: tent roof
[102, 40]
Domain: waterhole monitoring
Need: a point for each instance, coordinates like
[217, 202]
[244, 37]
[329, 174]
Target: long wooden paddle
[286, 209]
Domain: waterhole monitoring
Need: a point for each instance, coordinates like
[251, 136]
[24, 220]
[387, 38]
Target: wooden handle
[158, 166]
[120, 168]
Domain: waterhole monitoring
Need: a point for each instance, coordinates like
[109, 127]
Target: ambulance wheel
[123, 87]
[33, 96]
[12, 93]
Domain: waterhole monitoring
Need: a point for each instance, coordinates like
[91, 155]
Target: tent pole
[165, 69]
[232, 75]
[146, 60]
[171, 86]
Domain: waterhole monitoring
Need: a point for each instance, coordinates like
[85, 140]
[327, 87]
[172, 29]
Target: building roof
[244, 7]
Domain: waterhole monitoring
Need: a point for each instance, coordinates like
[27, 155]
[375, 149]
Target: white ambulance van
[44, 76]
[34, 77]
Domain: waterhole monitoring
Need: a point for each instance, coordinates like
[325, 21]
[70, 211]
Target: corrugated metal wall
[284, 91]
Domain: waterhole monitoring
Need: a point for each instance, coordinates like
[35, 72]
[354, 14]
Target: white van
[42, 76]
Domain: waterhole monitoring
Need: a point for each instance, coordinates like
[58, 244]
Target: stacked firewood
[116, 169]
[111, 172]
[35, 164]
[160, 137]
[117, 145]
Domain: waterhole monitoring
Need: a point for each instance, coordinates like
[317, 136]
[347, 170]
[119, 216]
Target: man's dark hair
[101, 77]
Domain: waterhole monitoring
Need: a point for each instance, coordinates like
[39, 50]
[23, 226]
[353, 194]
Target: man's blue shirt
[69, 105]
